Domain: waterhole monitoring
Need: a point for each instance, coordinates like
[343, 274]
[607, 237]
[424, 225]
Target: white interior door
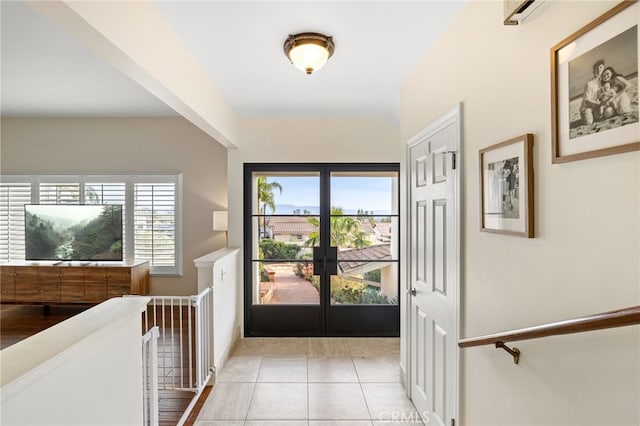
[434, 233]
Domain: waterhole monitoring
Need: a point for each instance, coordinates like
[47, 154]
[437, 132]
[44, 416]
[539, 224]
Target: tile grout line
[308, 391]
[253, 390]
[364, 397]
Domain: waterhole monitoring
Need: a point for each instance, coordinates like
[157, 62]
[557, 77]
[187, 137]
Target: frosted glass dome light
[309, 51]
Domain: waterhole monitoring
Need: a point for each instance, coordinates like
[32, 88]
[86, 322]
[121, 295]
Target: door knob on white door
[412, 292]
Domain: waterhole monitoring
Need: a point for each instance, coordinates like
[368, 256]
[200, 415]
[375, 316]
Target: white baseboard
[226, 354]
[403, 377]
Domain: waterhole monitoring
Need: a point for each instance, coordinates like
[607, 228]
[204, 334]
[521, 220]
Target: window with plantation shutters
[150, 203]
[105, 193]
[60, 193]
[154, 219]
[13, 197]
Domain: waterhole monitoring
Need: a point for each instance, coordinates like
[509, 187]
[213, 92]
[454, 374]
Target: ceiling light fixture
[309, 51]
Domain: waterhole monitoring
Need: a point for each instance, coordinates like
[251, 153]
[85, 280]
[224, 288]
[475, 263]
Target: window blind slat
[59, 193]
[13, 197]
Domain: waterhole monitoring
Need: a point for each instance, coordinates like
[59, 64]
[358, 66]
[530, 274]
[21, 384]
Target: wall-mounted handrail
[612, 319]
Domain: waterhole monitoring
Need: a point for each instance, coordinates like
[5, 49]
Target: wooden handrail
[619, 318]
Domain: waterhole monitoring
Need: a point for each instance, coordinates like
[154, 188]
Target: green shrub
[354, 292]
[272, 249]
[373, 276]
[375, 297]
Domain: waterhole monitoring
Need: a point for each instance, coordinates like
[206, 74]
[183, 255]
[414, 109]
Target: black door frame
[323, 319]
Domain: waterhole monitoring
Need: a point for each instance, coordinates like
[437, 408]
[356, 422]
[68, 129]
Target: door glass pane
[286, 283]
[285, 228]
[294, 236]
[370, 238]
[365, 193]
[365, 283]
[288, 193]
[364, 228]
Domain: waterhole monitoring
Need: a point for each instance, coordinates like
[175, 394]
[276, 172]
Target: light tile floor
[310, 382]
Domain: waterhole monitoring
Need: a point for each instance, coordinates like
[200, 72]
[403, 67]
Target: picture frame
[594, 87]
[506, 187]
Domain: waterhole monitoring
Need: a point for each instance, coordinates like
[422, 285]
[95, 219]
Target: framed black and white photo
[594, 87]
[506, 187]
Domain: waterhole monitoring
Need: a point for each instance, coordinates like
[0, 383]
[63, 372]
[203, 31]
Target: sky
[350, 193]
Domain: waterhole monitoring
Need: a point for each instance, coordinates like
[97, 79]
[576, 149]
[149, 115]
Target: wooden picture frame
[594, 87]
[506, 187]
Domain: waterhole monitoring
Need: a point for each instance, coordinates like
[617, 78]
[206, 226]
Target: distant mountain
[291, 208]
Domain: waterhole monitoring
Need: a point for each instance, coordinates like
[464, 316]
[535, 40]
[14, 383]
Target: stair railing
[619, 318]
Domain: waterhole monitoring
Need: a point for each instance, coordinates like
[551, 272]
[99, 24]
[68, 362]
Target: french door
[321, 249]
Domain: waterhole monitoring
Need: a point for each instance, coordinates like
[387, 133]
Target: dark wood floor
[17, 322]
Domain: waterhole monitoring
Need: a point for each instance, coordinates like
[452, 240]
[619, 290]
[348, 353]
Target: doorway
[322, 249]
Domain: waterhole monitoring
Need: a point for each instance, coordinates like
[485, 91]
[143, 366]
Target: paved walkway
[291, 289]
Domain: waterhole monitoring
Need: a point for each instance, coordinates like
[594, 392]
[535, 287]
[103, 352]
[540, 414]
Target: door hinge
[453, 166]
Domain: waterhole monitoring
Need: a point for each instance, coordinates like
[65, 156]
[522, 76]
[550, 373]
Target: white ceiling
[45, 72]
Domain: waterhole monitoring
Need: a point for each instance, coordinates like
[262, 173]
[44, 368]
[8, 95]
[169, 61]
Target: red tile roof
[354, 258]
[291, 228]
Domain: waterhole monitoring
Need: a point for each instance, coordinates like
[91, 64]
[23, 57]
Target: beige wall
[586, 254]
[131, 145]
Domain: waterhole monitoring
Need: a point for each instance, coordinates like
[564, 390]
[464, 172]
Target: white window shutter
[13, 197]
[155, 223]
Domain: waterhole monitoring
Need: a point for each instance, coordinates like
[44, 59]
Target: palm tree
[345, 231]
[266, 198]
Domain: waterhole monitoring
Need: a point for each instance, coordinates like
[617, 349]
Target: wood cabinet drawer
[120, 276]
[7, 284]
[48, 275]
[38, 293]
[25, 275]
[83, 276]
[117, 290]
[71, 275]
[7, 293]
[6, 274]
[37, 284]
[7, 290]
[82, 293]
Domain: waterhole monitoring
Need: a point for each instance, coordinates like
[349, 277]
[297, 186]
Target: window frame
[129, 181]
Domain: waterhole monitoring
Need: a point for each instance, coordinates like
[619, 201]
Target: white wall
[131, 145]
[586, 255]
[221, 269]
[304, 140]
[86, 370]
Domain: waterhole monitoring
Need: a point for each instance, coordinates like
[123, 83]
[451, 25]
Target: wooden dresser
[61, 284]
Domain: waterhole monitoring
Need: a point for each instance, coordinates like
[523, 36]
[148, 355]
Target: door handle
[412, 292]
[331, 261]
[319, 261]
[325, 262]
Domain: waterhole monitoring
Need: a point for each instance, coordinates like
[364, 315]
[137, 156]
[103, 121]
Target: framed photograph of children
[506, 187]
[594, 87]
